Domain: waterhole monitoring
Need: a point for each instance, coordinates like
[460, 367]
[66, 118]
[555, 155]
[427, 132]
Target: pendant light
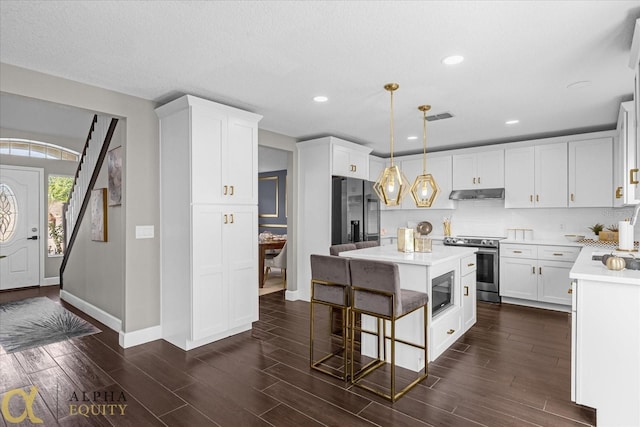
[391, 186]
[424, 189]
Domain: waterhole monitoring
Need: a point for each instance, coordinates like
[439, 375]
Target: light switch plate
[145, 231]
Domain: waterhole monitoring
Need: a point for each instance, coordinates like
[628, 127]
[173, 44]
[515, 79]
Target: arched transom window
[38, 149]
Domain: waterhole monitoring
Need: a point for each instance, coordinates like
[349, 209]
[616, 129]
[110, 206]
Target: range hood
[487, 193]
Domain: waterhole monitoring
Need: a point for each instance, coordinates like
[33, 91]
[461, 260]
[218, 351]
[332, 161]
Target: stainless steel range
[488, 263]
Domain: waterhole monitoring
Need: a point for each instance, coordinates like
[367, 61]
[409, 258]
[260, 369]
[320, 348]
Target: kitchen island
[605, 340]
[446, 265]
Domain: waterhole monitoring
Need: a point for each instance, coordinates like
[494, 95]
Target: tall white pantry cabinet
[208, 220]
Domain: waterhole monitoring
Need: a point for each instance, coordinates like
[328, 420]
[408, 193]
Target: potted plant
[610, 235]
[597, 228]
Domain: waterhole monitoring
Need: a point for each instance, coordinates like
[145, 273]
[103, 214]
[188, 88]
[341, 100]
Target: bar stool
[375, 291]
[330, 286]
[336, 249]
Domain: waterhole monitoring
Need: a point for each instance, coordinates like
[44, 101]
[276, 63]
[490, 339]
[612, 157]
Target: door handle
[32, 238]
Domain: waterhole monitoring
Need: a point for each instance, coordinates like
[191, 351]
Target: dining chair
[367, 244]
[278, 261]
[376, 291]
[336, 249]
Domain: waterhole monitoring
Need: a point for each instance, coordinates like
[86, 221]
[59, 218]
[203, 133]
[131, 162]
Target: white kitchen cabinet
[223, 146]
[536, 176]
[349, 160]
[469, 307]
[209, 221]
[441, 168]
[478, 170]
[591, 173]
[536, 272]
[626, 175]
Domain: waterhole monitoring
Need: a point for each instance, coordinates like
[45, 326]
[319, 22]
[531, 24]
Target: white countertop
[390, 253]
[587, 269]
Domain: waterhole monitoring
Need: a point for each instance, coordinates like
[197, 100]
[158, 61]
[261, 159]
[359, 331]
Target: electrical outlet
[562, 227]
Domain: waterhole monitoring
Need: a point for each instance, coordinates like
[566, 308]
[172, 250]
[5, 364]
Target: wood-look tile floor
[511, 369]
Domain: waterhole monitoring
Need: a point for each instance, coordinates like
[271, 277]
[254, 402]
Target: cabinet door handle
[231, 193]
[478, 180]
[466, 291]
[539, 270]
[531, 198]
[572, 198]
[225, 190]
[619, 193]
[474, 180]
[533, 269]
[570, 291]
[226, 219]
[450, 331]
[537, 197]
[231, 221]
[632, 179]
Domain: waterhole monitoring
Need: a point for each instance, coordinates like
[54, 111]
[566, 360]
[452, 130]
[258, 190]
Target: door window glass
[8, 213]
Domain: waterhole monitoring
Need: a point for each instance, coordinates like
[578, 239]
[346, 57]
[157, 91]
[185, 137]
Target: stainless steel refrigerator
[355, 211]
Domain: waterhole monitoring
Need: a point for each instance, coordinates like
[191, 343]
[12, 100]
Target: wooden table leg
[261, 266]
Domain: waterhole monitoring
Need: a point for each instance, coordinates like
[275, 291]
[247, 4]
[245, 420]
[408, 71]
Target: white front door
[20, 221]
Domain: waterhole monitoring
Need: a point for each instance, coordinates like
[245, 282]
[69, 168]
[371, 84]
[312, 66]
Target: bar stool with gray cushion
[375, 291]
[367, 244]
[330, 286]
[336, 249]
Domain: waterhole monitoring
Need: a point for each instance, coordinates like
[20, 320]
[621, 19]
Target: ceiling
[273, 57]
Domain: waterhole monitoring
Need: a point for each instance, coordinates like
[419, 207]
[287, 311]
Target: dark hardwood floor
[511, 369]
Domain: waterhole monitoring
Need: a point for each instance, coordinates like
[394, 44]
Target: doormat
[33, 322]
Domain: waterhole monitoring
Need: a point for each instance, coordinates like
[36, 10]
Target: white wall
[490, 218]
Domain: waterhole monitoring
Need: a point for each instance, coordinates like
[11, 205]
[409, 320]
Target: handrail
[92, 181]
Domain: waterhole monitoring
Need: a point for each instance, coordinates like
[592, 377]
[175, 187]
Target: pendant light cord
[424, 138]
[391, 127]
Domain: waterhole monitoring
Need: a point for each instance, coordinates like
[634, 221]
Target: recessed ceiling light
[411, 138]
[511, 122]
[453, 60]
[320, 98]
[578, 85]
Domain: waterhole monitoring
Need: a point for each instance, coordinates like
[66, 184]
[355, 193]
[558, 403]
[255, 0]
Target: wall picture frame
[98, 206]
[114, 166]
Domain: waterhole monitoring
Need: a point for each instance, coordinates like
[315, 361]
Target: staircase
[93, 154]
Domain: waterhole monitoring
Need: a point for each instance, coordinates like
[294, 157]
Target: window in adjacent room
[38, 149]
[59, 190]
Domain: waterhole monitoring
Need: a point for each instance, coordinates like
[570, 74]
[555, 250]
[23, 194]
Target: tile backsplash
[490, 218]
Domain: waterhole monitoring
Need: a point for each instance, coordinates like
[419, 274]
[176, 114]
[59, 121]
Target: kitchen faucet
[634, 217]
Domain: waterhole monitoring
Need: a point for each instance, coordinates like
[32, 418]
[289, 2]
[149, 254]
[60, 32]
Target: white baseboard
[291, 295]
[141, 336]
[51, 281]
[97, 313]
[537, 304]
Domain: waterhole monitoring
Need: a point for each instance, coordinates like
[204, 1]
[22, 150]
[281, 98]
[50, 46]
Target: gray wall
[51, 167]
[140, 193]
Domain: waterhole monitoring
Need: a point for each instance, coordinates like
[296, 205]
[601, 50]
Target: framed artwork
[98, 205]
[268, 196]
[114, 163]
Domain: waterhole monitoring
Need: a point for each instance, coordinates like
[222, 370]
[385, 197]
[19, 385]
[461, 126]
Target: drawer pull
[470, 265]
[557, 254]
[570, 291]
[450, 331]
[466, 291]
[517, 252]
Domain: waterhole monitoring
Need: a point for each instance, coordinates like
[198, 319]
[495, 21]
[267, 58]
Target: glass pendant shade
[392, 186]
[425, 188]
